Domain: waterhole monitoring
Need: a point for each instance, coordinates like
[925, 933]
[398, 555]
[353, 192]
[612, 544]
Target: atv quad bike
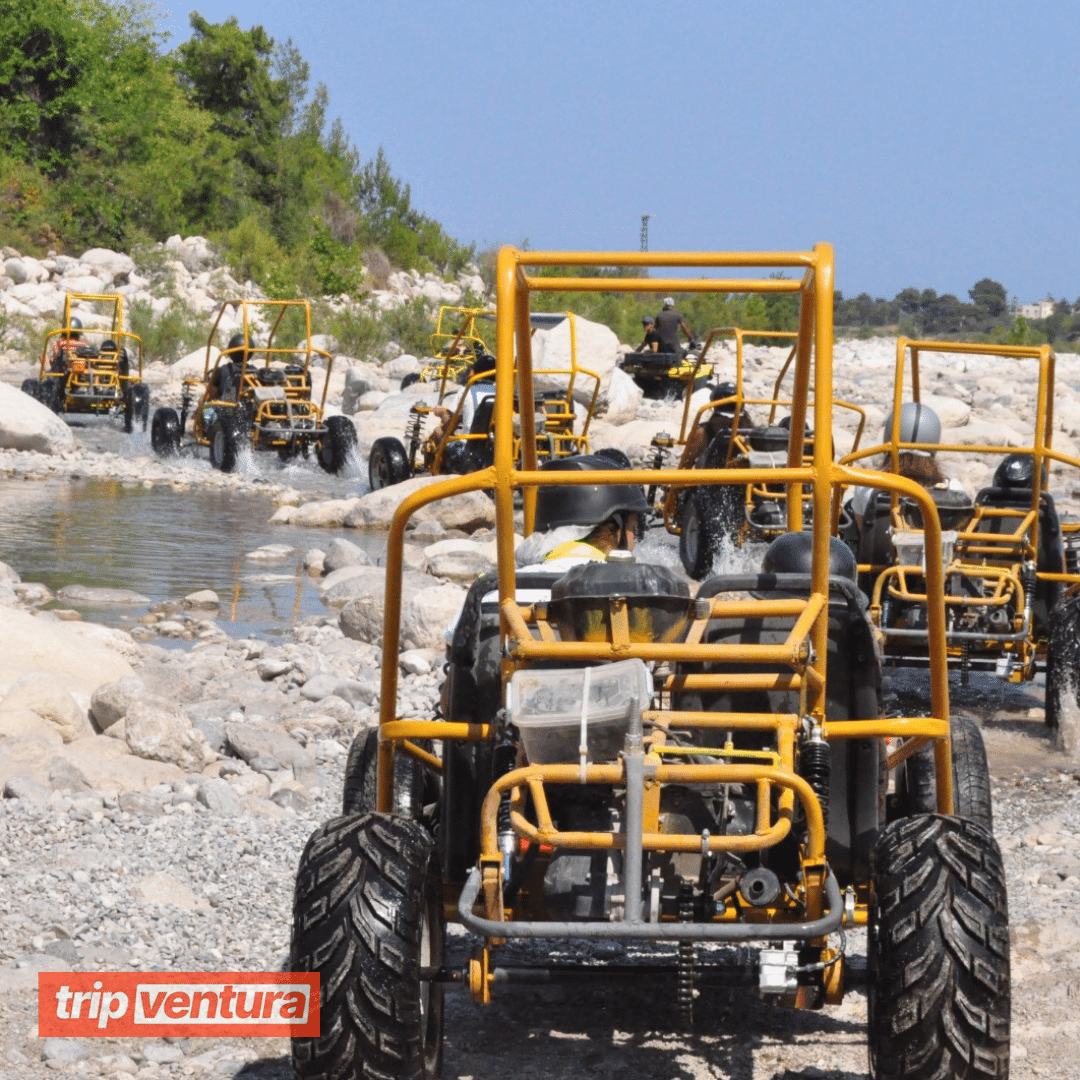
[660, 374]
[751, 433]
[439, 443]
[1011, 565]
[89, 369]
[620, 760]
[455, 344]
[258, 397]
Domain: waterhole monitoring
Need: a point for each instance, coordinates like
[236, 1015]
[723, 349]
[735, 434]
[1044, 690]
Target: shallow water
[164, 544]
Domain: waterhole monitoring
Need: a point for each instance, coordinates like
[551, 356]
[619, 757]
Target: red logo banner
[177, 1003]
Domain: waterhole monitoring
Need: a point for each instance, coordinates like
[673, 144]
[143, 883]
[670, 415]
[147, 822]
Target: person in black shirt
[652, 338]
[668, 324]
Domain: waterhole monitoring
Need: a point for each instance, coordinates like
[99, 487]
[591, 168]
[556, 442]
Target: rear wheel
[939, 995]
[32, 387]
[367, 917]
[615, 456]
[971, 776]
[165, 433]
[224, 442]
[387, 464]
[136, 406]
[337, 444]
[409, 380]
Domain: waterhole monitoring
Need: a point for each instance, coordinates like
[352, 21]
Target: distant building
[1041, 310]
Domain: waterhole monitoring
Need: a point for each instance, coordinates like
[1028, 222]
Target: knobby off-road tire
[1063, 664]
[362, 779]
[709, 516]
[165, 432]
[136, 406]
[971, 776]
[388, 464]
[337, 445]
[939, 996]
[224, 442]
[32, 387]
[367, 916]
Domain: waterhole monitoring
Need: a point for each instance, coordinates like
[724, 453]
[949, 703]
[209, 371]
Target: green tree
[989, 296]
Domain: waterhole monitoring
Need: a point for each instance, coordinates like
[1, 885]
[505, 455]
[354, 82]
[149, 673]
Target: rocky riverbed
[156, 800]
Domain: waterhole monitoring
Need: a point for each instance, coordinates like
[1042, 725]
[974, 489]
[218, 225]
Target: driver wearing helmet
[919, 424]
[67, 344]
[582, 524]
[224, 384]
[718, 421]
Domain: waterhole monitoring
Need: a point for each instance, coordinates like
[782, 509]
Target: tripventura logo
[123, 1003]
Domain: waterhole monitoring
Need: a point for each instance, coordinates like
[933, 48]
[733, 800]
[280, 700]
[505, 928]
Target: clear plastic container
[546, 706]
[910, 547]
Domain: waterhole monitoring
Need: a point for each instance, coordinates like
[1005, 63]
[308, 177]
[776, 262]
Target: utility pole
[645, 232]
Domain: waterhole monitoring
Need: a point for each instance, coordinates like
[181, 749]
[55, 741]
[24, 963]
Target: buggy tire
[224, 442]
[32, 387]
[367, 916]
[971, 776]
[337, 444]
[362, 782]
[700, 533]
[165, 433]
[52, 393]
[387, 463]
[614, 455]
[409, 380]
[938, 956]
[136, 406]
[1063, 664]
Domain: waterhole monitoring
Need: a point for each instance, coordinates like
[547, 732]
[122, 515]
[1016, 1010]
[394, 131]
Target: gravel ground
[71, 871]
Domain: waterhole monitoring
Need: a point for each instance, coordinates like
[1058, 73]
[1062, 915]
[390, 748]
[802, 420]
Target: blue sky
[932, 143]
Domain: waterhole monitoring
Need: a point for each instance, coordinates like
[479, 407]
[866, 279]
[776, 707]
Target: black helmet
[108, 346]
[76, 323]
[1017, 471]
[589, 504]
[792, 553]
[237, 341]
[483, 363]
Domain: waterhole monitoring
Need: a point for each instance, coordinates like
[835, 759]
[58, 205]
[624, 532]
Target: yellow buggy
[1011, 563]
[733, 430]
[93, 370]
[258, 396]
[623, 759]
[457, 435]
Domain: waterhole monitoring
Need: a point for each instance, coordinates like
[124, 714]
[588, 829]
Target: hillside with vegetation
[110, 139]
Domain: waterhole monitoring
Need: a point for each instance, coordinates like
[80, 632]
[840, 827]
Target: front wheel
[368, 916]
[971, 776]
[387, 464]
[136, 406]
[32, 387]
[52, 392]
[699, 537]
[939, 994]
[360, 789]
[1063, 665]
[224, 442]
[165, 433]
[337, 444]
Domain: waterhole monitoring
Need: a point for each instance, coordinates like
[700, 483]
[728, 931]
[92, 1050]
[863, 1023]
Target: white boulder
[26, 424]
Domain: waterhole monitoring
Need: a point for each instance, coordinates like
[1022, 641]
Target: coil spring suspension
[815, 767]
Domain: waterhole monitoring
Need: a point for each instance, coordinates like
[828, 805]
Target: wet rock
[203, 598]
[341, 553]
[86, 594]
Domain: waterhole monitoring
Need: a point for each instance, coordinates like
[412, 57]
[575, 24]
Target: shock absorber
[815, 767]
[504, 758]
